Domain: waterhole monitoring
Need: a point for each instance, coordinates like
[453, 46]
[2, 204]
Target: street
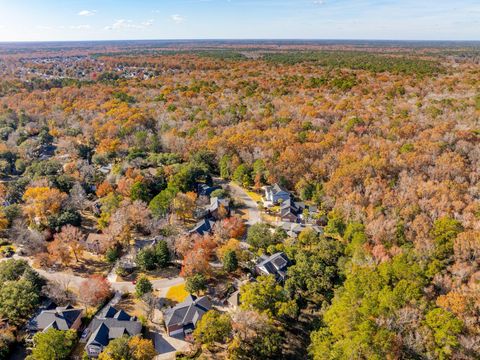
[250, 206]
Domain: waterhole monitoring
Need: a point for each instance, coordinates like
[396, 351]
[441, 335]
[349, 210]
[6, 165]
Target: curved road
[162, 285]
[251, 206]
[67, 278]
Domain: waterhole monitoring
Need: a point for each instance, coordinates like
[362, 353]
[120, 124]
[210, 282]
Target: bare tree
[59, 292]
[30, 241]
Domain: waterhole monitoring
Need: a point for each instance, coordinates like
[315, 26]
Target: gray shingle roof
[234, 299]
[277, 188]
[275, 264]
[60, 318]
[114, 324]
[216, 202]
[188, 312]
[203, 227]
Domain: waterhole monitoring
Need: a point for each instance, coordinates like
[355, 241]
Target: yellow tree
[141, 349]
[42, 202]
[3, 220]
[184, 205]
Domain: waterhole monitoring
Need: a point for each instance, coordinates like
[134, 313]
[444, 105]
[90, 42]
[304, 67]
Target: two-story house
[276, 194]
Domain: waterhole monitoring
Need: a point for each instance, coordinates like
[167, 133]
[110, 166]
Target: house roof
[203, 227]
[60, 318]
[204, 189]
[95, 237]
[286, 210]
[293, 229]
[234, 299]
[112, 325]
[275, 264]
[215, 203]
[122, 315]
[277, 188]
[187, 312]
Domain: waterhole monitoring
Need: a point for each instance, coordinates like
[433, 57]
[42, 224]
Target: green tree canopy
[353, 327]
[267, 296]
[196, 283]
[162, 254]
[261, 236]
[230, 261]
[213, 327]
[143, 286]
[53, 345]
[445, 328]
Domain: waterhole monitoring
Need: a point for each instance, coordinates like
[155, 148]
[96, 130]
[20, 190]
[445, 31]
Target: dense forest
[384, 142]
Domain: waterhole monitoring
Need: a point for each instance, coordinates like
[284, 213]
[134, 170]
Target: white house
[276, 194]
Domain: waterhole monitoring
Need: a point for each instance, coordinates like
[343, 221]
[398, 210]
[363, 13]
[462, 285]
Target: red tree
[94, 290]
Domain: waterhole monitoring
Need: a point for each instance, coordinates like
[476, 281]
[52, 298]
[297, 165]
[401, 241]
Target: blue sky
[45, 20]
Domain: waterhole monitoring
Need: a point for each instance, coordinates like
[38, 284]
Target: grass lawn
[268, 218]
[133, 306]
[166, 273]
[177, 293]
[275, 209]
[255, 196]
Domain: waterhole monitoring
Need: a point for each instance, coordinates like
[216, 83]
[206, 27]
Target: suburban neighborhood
[238, 199]
[174, 316]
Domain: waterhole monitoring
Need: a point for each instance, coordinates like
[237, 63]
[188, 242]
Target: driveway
[250, 205]
[165, 346]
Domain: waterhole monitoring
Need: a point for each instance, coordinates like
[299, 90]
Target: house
[206, 190]
[218, 208]
[112, 324]
[275, 264]
[59, 318]
[105, 170]
[234, 300]
[291, 211]
[293, 229]
[203, 227]
[182, 318]
[276, 194]
[298, 212]
[97, 243]
[144, 243]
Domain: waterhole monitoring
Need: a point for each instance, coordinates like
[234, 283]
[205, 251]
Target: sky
[61, 20]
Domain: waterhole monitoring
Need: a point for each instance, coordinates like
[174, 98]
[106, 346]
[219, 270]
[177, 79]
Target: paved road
[251, 206]
[67, 278]
[162, 284]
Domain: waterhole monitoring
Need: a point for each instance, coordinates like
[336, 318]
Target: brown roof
[94, 237]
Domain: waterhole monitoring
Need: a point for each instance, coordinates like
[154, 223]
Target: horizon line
[235, 39]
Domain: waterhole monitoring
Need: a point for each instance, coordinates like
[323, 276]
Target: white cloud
[319, 2]
[148, 23]
[80, 27]
[87, 12]
[177, 18]
[128, 24]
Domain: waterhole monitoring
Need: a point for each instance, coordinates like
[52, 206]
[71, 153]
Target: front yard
[177, 293]
[254, 195]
